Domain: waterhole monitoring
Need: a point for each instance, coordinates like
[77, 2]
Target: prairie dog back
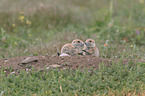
[68, 49]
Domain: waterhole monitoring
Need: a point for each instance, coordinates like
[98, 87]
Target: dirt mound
[46, 61]
[61, 62]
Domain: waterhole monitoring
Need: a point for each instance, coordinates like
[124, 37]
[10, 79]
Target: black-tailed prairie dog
[90, 48]
[68, 50]
[79, 45]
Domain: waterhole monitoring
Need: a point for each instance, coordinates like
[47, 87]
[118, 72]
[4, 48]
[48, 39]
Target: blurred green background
[34, 27]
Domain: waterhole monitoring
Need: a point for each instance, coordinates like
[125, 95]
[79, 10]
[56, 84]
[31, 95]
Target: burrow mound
[75, 62]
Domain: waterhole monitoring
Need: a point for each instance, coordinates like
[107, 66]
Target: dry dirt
[63, 62]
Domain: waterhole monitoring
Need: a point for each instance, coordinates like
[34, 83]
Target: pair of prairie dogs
[78, 47]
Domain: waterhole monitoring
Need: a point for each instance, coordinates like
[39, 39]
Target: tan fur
[68, 49]
[90, 48]
[79, 45]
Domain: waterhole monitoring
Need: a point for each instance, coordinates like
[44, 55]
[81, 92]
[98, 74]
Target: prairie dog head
[78, 43]
[90, 43]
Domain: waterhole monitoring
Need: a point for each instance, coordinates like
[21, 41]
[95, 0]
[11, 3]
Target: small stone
[55, 66]
[6, 61]
[47, 67]
[109, 60]
[63, 54]
[13, 72]
[29, 59]
[28, 69]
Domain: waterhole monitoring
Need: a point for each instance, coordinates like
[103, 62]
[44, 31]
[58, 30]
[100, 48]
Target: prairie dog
[68, 50]
[79, 45]
[90, 48]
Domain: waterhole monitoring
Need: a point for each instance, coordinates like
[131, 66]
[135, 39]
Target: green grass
[117, 79]
[53, 26]
[55, 23]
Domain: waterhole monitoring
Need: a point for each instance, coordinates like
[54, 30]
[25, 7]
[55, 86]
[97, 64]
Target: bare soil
[74, 62]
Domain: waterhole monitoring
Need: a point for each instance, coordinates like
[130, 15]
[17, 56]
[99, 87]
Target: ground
[70, 62]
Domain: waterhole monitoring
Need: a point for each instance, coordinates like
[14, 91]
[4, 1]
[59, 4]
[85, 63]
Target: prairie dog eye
[90, 41]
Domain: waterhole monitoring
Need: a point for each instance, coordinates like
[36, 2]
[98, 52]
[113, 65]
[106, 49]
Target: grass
[29, 28]
[48, 25]
[118, 79]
